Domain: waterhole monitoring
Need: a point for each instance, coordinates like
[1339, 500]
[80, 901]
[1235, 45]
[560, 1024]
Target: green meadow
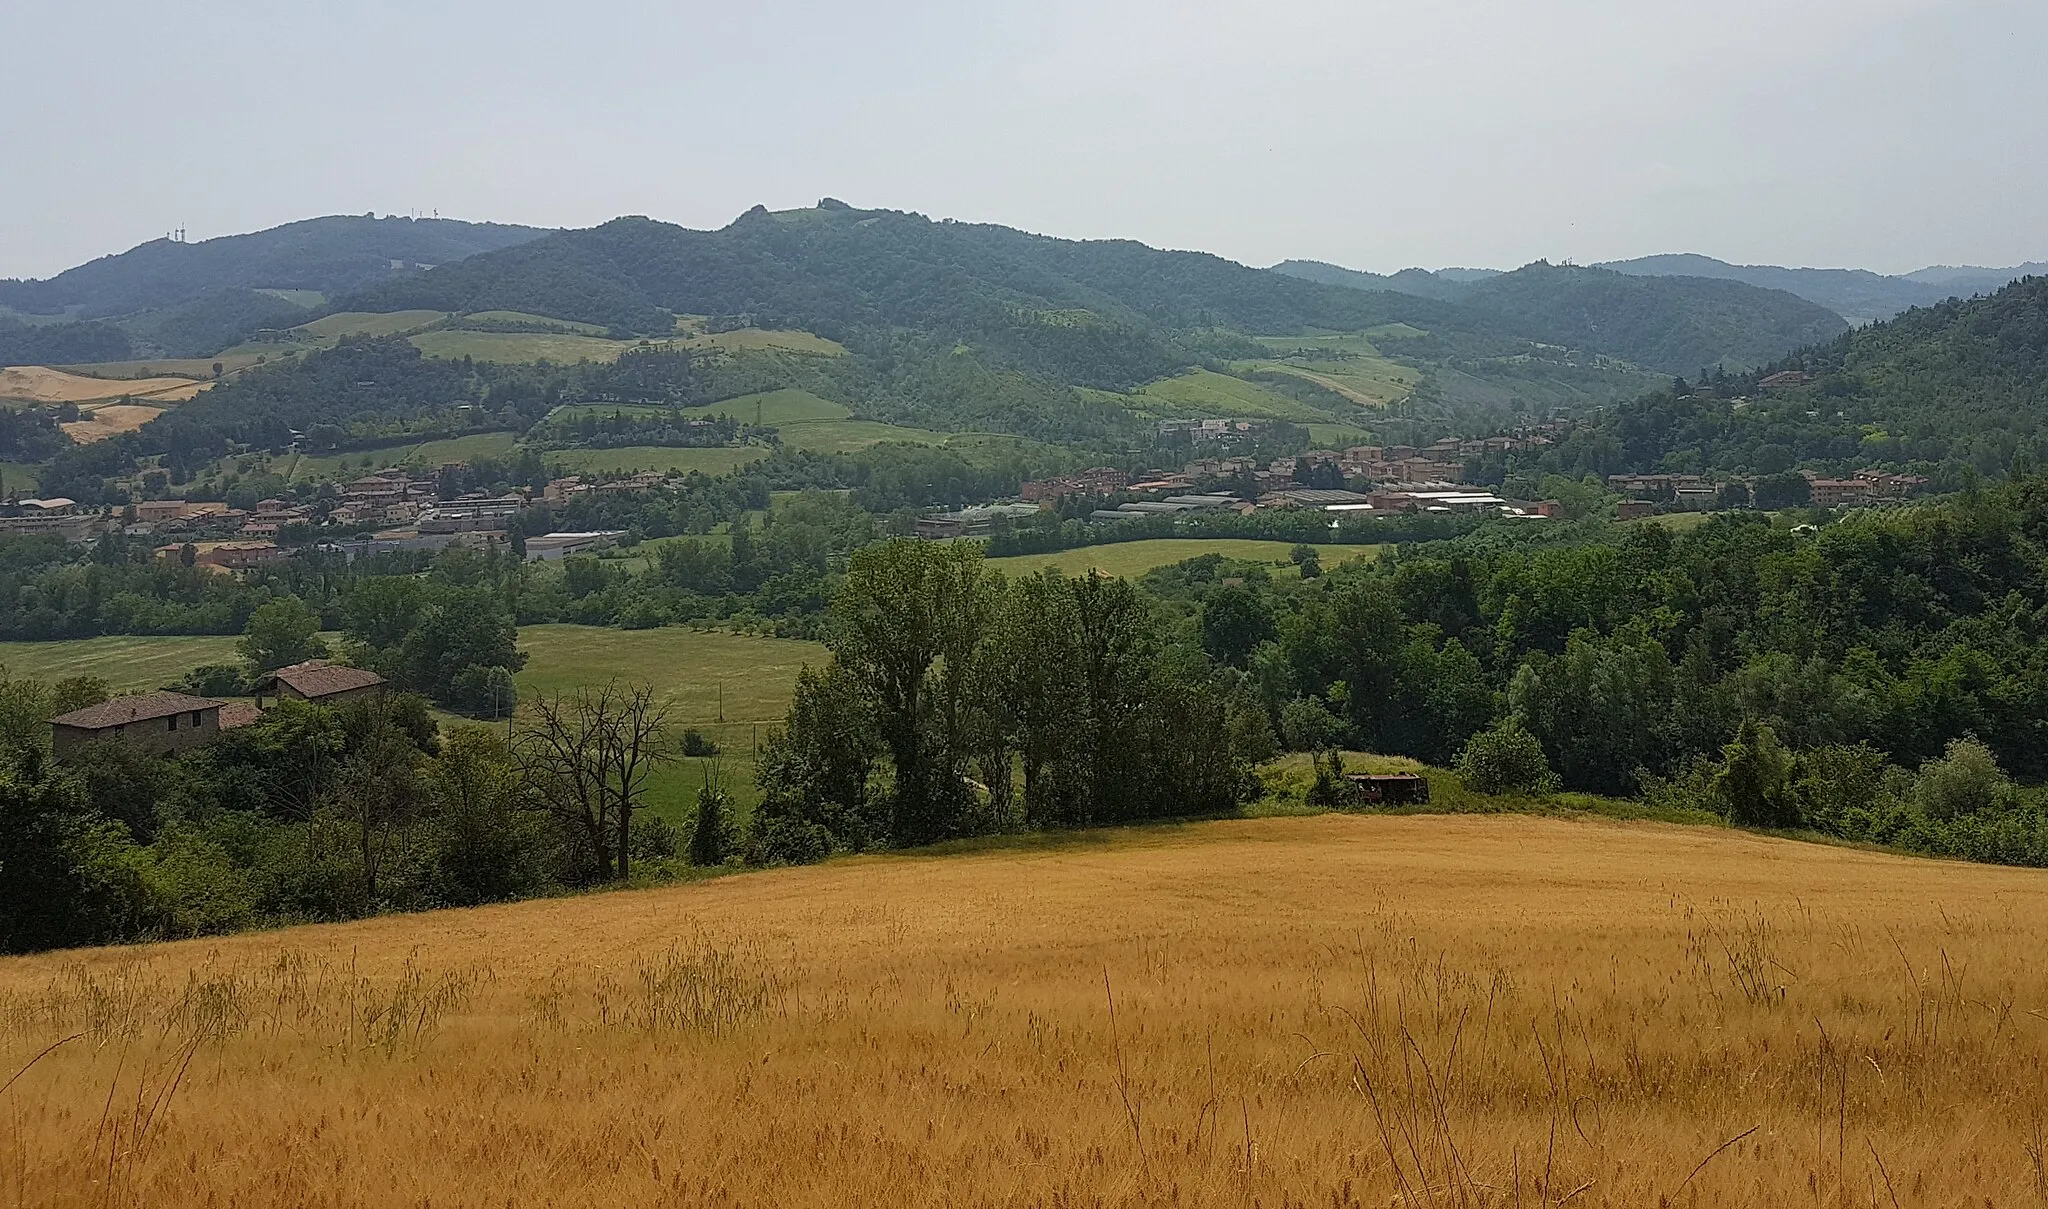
[561, 348]
[731, 687]
[631, 459]
[1204, 392]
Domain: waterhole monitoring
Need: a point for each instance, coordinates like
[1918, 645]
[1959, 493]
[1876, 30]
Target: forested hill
[1858, 295]
[1948, 391]
[325, 255]
[833, 268]
[1675, 324]
[1987, 356]
[1678, 325]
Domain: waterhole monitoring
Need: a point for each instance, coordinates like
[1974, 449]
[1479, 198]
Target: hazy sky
[1886, 134]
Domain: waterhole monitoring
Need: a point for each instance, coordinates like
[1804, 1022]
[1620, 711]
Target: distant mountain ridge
[329, 255]
[1674, 324]
[1857, 295]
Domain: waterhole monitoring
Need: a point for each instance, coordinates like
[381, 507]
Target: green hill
[326, 255]
[1949, 391]
[1674, 325]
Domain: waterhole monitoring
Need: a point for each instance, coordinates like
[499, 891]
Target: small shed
[1390, 789]
[320, 682]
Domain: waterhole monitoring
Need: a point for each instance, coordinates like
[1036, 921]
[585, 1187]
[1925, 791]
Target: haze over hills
[1857, 295]
[1673, 324]
[321, 255]
[1104, 314]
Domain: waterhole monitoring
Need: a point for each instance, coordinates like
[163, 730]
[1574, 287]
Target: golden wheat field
[1330, 1011]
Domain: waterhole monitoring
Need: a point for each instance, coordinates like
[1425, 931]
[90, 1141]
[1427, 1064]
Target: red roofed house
[164, 723]
[320, 682]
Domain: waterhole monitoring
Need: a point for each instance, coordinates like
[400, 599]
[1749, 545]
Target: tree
[1505, 759]
[903, 605]
[708, 835]
[1235, 620]
[281, 633]
[586, 758]
[1966, 780]
[1306, 557]
[1755, 784]
[1308, 725]
[1604, 710]
[487, 847]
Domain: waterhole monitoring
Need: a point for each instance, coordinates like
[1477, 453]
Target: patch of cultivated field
[731, 687]
[562, 348]
[127, 663]
[1133, 559]
[750, 339]
[108, 420]
[631, 459]
[368, 323]
[1348, 364]
[1204, 392]
[188, 367]
[775, 407]
[1340, 1010]
[39, 384]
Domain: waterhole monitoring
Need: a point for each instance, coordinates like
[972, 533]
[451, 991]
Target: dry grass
[37, 384]
[109, 420]
[1331, 1011]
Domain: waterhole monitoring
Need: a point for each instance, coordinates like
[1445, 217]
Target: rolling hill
[323, 255]
[834, 269]
[1671, 324]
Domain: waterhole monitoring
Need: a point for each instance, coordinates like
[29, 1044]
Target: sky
[1881, 134]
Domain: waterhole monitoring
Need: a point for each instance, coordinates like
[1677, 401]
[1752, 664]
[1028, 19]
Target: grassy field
[633, 458]
[775, 407]
[846, 436]
[306, 468]
[1132, 559]
[126, 663]
[1203, 392]
[368, 323]
[190, 367]
[22, 477]
[586, 329]
[749, 339]
[1343, 1011]
[704, 676]
[562, 348]
[1350, 365]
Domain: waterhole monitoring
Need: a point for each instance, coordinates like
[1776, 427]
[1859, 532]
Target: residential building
[320, 682]
[554, 547]
[163, 723]
[971, 522]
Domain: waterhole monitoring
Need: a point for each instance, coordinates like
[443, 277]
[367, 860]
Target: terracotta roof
[237, 713]
[317, 678]
[123, 710]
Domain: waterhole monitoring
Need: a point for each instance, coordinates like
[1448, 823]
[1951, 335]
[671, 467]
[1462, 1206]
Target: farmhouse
[320, 682]
[163, 723]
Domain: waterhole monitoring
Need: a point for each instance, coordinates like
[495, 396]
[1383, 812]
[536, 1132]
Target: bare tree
[587, 757]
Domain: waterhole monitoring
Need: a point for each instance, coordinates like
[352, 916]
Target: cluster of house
[406, 505]
[55, 517]
[1697, 493]
[563, 490]
[166, 723]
